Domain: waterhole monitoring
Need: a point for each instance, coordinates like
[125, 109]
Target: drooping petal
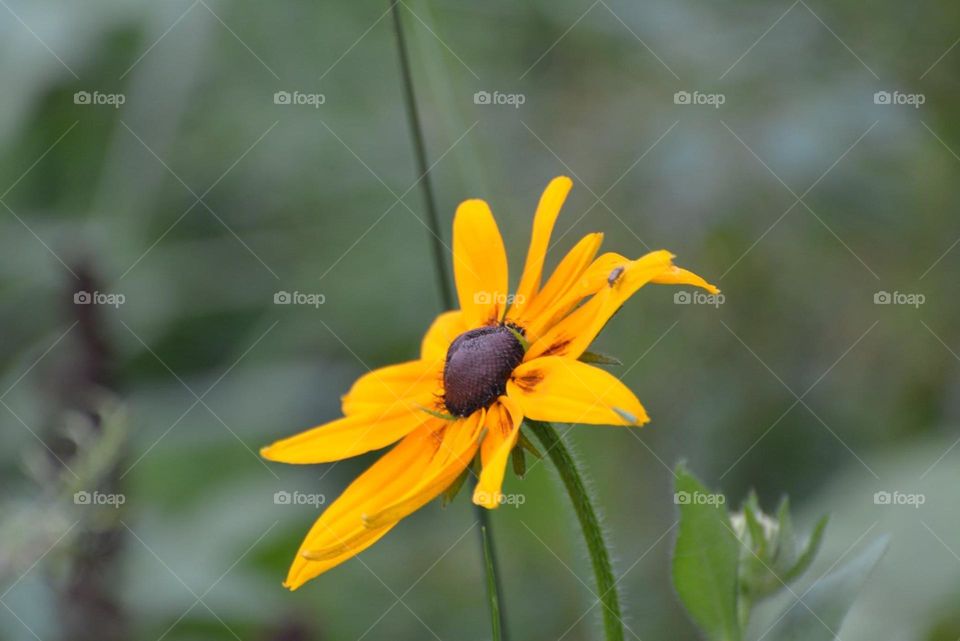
[412, 384]
[572, 335]
[543, 221]
[389, 479]
[568, 391]
[680, 276]
[564, 278]
[445, 328]
[503, 427]
[349, 436]
[456, 451]
[479, 264]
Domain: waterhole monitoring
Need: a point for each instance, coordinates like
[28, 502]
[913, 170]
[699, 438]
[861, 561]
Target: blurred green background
[803, 196]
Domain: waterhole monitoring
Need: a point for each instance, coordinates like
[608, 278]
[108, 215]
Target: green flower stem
[446, 296]
[493, 589]
[592, 532]
[420, 149]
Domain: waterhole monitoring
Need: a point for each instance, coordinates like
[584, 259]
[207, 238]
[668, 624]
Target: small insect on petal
[615, 275]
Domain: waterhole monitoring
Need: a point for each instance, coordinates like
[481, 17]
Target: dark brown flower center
[478, 364]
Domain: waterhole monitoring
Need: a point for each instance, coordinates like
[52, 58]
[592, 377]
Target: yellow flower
[482, 369]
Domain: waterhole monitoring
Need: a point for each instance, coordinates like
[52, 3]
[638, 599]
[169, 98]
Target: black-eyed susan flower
[482, 369]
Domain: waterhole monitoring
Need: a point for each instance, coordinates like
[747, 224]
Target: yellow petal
[588, 282]
[503, 428]
[572, 335]
[479, 264]
[444, 329]
[568, 391]
[457, 450]
[543, 221]
[383, 483]
[412, 384]
[678, 276]
[346, 437]
[534, 317]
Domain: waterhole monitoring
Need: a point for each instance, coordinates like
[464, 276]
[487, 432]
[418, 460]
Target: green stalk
[446, 296]
[589, 523]
[493, 596]
[420, 149]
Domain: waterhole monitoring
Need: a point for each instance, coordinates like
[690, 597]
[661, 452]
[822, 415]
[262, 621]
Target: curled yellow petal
[503, 427]
[455, 452]
[555, 299]
[572, 335]
[340, 529]
[565, 390]
[679, 276]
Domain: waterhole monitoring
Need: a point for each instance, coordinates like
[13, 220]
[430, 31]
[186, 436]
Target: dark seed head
[478, 364]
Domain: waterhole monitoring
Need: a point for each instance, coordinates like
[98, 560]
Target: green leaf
[819, 613]
[528, 445]
[705, 560]
[451, 492]
[808, 554]
[597, 358]
[519, 462]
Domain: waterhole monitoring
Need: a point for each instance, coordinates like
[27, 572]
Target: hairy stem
[589, 523]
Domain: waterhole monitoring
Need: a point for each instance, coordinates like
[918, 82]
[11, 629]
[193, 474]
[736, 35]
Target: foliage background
[302, 199]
